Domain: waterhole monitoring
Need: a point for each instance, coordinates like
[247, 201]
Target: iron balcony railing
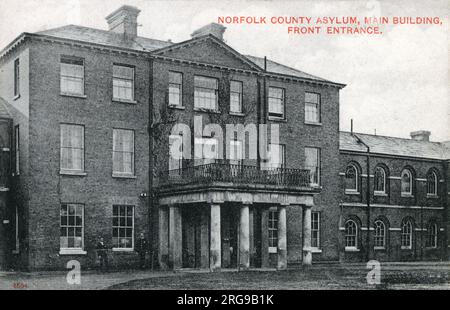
[237, 174]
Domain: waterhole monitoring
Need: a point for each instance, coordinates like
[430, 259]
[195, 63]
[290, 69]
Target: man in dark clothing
[141, 248]
[102, 255]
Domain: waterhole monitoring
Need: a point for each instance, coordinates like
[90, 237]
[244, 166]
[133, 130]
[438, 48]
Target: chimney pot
[420, 135]
[124, 21]
[214, 29]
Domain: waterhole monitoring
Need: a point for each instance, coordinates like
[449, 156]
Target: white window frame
[318, 167]
[406, 235]
[411, 185]
[17, 149]
[16, 231]
[236, 152]
[347, 235]
[199, 144]
[179, 87]
[198, 90]
[434, 244]
[115, 247]
[379, 232]
[121, 78]
[315, 220]
[179, 167]
[65, 170]
[16, 77]
[435, 180]
[356, 189]
[378, 192]
[82, 78]
[239, 96]
[315, 105]
[272, 227]
[271, 100]
[133, 155]
[72, 250]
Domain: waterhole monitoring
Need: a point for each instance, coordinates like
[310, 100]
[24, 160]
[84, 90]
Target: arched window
[380, 180]
[407, 234]
[432, 234]
[432, 181]
[351, 235]
[407, 184]
[380, 234]
[351, 178]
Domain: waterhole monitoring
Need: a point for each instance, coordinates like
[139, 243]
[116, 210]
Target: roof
[4, 112]
[109, 38]
[104, 37]
[394, 146]
[278, 68]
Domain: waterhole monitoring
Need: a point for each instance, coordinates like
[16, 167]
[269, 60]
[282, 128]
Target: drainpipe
[367, 193]
[150, 195]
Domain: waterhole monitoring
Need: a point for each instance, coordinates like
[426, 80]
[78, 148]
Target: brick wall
[98, 190]
[393, 208]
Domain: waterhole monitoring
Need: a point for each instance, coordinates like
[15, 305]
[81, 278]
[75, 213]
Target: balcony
[233, 175]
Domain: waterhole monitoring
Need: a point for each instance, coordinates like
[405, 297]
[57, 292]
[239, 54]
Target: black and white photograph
[242, 147]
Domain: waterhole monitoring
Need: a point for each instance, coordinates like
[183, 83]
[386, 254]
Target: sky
[397, 82]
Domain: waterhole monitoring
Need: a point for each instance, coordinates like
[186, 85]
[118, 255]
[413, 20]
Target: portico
[220, 226]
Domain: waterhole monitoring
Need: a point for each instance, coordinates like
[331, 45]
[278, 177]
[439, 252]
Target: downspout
[367, 194]
[150, 195]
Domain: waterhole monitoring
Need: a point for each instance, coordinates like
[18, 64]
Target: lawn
[323, 277]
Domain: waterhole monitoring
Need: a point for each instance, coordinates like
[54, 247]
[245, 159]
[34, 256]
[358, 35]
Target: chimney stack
[421, 135]
[214, 29]
[124, 21]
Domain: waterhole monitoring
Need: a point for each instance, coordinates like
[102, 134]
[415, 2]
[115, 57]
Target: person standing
[102, 254]
[141, 248]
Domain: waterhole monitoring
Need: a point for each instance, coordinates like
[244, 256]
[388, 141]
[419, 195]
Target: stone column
[282, 240]
[244, 238]
[175, 235]
[264, 237]
[307, 254]
[163, 244]
[215, 241]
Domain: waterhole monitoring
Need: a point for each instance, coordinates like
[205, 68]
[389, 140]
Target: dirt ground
[423, 275]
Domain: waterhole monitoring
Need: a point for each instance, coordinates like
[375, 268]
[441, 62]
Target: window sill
[123, 176]
[237, 113]
[15, 252]
[316, 250]
[124, 101]
[379, 248]
[273, 249]
[350, 192]
[313, 123]
[73, 95]
[4, 189]
[277, 119]
[5, 149]
[127, 250]
[72, 252]
[407, 195]
[177, 107]
[207, 110]
[351, 249]
[407, 248]
[380, 194]
[432, 196]
[16, 97]
[431, 248]
[73, 173]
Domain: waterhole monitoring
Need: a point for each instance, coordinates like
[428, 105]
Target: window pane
[72, 147]
[72, 76]
[205, 93]
[123, 151]
[312, 163]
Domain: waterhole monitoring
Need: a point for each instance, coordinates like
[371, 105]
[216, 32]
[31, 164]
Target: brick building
[87, 119]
